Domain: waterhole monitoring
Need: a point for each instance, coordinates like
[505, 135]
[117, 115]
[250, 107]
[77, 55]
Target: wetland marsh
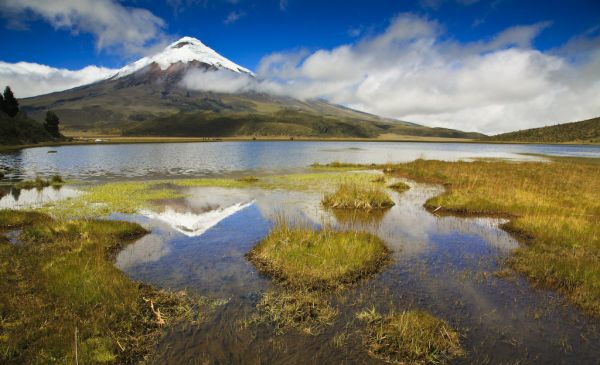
[460, 281]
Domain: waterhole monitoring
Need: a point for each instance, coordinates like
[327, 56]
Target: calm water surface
[441, 264]
[119, 161]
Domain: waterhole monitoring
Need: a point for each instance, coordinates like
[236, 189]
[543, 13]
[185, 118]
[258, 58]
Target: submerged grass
[59, 280]
[302, 257]
[307, 311]
[554, 207]
[413, 337]
[353, 195]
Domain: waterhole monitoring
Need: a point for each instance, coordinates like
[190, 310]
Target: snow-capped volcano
[185, 50]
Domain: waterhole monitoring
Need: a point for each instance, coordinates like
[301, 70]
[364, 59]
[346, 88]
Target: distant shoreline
[113, 139]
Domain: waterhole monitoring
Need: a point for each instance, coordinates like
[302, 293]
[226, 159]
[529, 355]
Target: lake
[177, 160]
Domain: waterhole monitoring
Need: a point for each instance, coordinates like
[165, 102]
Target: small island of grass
[353, 195]
[399, 186]
[302, 257]
[410, 337]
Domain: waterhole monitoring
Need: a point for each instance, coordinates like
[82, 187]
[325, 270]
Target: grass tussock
[40, 183]
[554, 208]
[353, 195]
[399, 186]
[302, 257]
[60, 279]
[307, 311]
[410, 337]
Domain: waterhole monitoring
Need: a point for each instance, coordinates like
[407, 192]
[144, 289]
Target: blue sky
[262, 27]
[476, 65]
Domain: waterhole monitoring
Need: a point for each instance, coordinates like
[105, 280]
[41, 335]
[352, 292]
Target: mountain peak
[184, 50]
[185, 41]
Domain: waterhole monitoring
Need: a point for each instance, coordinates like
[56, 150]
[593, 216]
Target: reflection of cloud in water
[34, 198]
[409, 229]
[149, 248]
[195, 224]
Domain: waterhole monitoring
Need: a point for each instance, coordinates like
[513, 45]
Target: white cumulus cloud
[413, 71]
[220, 81]
[30, 79]
[128, 29]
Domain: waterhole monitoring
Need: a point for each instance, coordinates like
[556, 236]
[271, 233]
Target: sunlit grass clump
[307, 311]
[399, 186]
[410, 337]
[354, 195]
[303, 257]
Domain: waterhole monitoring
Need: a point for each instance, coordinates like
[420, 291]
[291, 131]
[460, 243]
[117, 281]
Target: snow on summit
[184, 50]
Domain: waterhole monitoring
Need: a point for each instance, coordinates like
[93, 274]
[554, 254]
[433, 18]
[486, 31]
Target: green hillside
[586, 131]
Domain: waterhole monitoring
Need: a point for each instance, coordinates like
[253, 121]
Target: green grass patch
[121, 197]
[60, 279]
[306, 311]
[410, 337]
[11, 219]
[353, 195]
[302, 257]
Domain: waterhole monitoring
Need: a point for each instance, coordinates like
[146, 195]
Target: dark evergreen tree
[51, 123]
[10, 105]
[2, 103]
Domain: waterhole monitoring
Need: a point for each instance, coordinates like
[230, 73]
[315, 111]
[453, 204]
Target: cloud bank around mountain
[30, 79]
[413, 71]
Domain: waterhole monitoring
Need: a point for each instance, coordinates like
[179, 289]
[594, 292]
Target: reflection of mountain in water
[195, 224]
